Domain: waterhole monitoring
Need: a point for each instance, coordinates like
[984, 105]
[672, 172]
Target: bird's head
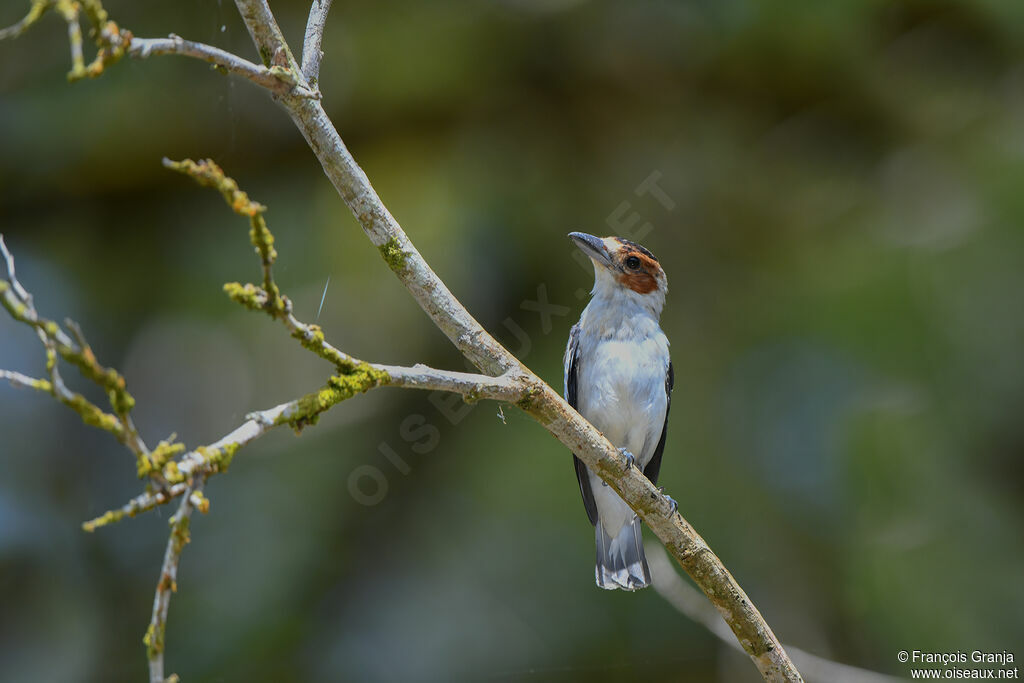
[623, 268]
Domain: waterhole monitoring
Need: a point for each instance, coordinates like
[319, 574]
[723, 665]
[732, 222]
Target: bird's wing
[654, 466]
[572, 396]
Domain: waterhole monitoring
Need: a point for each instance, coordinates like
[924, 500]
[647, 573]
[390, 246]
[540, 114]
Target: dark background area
[846, 268]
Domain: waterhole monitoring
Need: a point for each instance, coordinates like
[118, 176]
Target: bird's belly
[622, 392]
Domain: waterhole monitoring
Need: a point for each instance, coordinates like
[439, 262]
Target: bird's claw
[672, 504]
[630, 459]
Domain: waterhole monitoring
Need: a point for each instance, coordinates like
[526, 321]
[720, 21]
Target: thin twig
[167, 583]
[274, 78]
[689, 602]
[25, 382]
[76, 351]
[141, 503]
[312, 51]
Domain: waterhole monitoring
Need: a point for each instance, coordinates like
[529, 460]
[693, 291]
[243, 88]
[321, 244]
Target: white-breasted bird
[619, 376]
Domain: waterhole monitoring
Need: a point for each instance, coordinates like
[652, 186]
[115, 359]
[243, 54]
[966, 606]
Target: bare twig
[312, 52]
[690, 602]
[167, 583]
[274, 78]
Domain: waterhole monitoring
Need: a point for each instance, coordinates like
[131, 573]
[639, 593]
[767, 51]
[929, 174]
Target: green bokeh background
[846, 310]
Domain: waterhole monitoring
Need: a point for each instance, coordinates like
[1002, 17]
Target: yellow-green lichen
[201, 502]
[393, 255]
[13, 306]
[208, 174]
[307, 409]
[249, 295]
[154, 640]
[529, 399]
[180, 536]
[109, 517]
[312, 338]
[94, 417]
[110, 379]
[159, 457]
[172, 474]
[262, 239]
[218, 459]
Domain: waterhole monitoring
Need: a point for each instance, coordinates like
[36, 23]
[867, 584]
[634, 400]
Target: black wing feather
[654, 466]
[572, 396]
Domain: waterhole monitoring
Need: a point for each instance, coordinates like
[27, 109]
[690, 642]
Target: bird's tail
[620, 561]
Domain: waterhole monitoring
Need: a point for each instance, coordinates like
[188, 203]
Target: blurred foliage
[846, 264]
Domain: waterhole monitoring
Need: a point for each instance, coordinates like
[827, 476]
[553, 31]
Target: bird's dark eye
[632, 263]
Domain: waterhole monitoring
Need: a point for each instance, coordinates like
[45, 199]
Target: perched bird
[618, 375]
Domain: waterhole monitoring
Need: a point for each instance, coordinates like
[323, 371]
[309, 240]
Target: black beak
[592, 247]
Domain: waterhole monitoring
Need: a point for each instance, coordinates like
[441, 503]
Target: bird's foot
[630, 459]
[672, 504]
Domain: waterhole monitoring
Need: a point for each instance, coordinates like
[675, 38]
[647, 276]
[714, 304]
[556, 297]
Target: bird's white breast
[623, 361]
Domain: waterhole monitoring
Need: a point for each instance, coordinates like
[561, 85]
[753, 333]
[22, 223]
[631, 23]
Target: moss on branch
[393, 255]
[306, 410]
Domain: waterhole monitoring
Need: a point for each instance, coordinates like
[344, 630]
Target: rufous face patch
[638, 269]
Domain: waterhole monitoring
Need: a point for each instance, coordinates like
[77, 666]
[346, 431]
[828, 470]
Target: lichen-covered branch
[36, 10]
[75, 350]
[209, 174]
[215, 457]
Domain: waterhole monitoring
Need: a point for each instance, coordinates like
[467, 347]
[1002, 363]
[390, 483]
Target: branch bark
[311, 48]
[273, 78]
[167, 583]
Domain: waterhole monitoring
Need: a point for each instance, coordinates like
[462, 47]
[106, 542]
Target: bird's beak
[592, 247]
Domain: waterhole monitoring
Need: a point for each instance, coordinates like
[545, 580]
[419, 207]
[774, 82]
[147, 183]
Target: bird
[619, 376]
